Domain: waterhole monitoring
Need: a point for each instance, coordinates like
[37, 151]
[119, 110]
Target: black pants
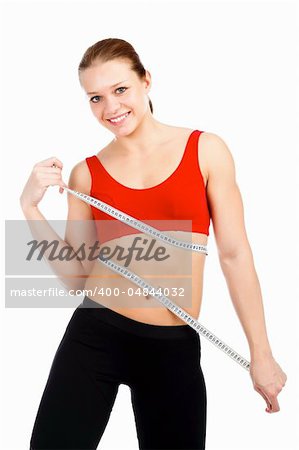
[102, 349]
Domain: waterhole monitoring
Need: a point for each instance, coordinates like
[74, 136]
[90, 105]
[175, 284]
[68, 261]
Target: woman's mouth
[119, 120]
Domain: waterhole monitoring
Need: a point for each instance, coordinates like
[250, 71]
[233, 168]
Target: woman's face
[114, 90]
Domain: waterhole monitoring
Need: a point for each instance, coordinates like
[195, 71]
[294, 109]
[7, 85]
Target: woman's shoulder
[80, 177]
[214, 153]
[213, 144]
[184, 131]
[207, 138]
[81, 167]
[211, 148]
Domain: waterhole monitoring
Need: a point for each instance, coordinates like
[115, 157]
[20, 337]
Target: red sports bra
[181, 197]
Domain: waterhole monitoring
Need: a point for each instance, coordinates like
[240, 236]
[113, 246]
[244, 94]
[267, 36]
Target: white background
[230, 68]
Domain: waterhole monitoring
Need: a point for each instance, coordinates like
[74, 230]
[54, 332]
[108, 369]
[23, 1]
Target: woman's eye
[121, 88]
[97, 96]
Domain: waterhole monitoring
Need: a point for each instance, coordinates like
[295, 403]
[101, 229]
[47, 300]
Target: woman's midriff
[178, 272]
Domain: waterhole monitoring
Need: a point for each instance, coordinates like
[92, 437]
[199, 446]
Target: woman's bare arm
[234, 250]
[80, 227]
[71, 273]
[237, 264]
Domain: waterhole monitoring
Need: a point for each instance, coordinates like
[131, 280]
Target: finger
[62, 185]
[51, 181]
[274, 403]
[56, 162]
[51, 176]
[267, 400]
[49, 162]
[52, 169]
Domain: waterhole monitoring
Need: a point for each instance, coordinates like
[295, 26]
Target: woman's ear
[148, 81]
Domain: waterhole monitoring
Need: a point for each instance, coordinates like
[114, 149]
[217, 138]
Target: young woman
[151, 171]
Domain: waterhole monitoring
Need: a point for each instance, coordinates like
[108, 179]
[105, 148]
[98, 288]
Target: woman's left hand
[268, 380]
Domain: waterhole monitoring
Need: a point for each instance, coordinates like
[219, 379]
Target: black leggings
[102, 349]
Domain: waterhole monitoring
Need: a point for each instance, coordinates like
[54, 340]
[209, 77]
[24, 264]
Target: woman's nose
[112, 107]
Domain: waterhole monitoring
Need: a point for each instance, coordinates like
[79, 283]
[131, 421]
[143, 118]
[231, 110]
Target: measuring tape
[129, 220]
[173, 307]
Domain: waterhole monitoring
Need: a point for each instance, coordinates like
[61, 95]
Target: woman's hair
[109, 49]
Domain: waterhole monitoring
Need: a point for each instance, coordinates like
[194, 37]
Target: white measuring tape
[173, 307]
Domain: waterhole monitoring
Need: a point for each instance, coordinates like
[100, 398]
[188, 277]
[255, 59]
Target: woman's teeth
[119, 119]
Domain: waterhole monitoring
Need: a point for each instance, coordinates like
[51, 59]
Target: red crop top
[182, 197]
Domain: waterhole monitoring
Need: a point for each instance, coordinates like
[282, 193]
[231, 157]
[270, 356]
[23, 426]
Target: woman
[170, 173]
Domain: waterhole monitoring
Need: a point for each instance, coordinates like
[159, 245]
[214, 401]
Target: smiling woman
[150, 171]
[105, 51]
[117, 104]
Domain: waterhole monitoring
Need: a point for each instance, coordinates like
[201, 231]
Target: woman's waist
[141, 309]
[183, 275]
[127, 298]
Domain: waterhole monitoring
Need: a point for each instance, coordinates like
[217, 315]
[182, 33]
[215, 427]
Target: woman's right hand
[43, 175]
